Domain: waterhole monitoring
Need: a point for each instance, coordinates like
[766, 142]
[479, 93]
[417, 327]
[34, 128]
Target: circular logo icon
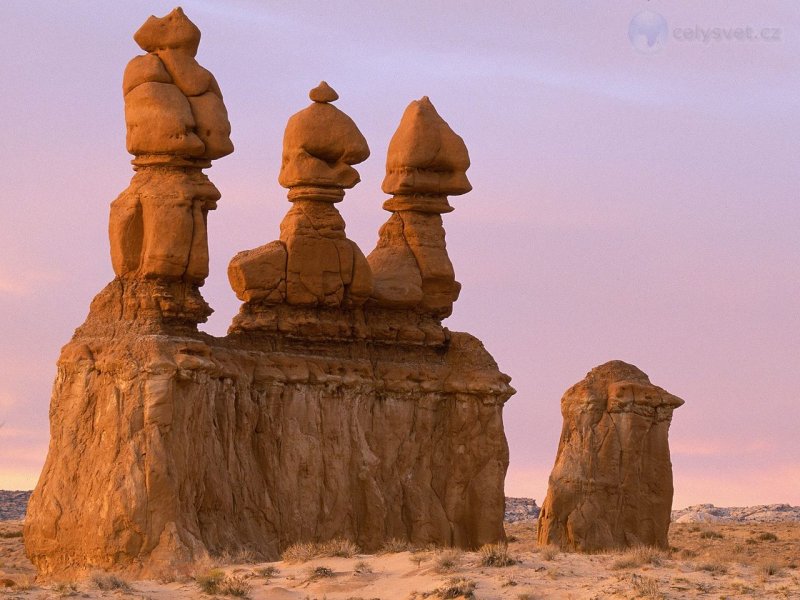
[648, 32]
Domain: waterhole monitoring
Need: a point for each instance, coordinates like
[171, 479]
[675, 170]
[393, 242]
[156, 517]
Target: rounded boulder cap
[323, 93]
[174, 30]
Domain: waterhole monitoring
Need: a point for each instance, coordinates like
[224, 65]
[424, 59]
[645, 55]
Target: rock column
[611, 486]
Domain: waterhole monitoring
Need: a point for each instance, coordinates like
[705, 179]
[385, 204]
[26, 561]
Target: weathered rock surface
[313, 263]
[521, 510]
[176, 124]
[611, 485]
[317, 417]
[168, 444]
[426, 162]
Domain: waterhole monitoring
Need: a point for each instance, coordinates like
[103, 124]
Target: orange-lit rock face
[426, 156]
[611, 485]
[321, 144]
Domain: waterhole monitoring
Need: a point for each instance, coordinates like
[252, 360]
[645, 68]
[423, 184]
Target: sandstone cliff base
[169, 445]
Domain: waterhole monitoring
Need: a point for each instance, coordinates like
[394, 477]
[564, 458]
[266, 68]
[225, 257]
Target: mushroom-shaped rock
[426, 156]
[320, 145]
[313, 263]
[611, 486]
[410, 266]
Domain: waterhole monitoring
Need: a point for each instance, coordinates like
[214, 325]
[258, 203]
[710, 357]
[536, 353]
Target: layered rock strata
[319, 416]
[611, 486]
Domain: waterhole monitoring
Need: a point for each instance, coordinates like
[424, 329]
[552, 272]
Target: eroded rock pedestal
[325, 413]
[611, 486]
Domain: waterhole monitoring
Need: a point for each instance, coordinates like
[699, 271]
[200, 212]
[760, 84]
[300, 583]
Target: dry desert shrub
[549, 551]
[362, 567]
[639, 556]
[495, 555]
[209, 581]
[394, 546]
[447, 561]
[236, 586]
[267, 572]
[646, 587]
[107, 582]
[767, 536]
[768, 568]
[305, 551]
[320, 572]
[715, 567]
[710, 534]
[457, 587]
[11, 534]
[216, 582]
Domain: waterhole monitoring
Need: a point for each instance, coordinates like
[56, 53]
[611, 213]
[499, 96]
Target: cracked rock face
[611, 486]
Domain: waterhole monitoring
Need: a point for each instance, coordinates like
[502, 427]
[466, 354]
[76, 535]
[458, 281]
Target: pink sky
[636, 206]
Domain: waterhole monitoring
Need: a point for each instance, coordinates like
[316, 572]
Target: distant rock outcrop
[323, 414]
[611, 485]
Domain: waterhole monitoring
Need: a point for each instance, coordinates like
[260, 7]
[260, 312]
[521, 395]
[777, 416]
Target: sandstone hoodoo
[426, 162]
[611, 486]
[326, 412]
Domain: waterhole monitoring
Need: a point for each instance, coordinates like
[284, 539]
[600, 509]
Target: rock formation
[427, 162]
[611, 486]
[177, 123]
[313, 263]
[319, 416]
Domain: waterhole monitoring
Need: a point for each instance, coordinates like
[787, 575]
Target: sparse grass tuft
[447, 561]
[638, 556]
[394, 546]
[549, 551]
[305, 551]
[107, 582]
[714, 566]
[767, 537]
[210, 581]
[11, 534]
[362, 567]
[267, 572]
[495, 555]
[320, 573]
[236, 586]
[647, 587]
[768, 568]
[710, 534]
[457, 587]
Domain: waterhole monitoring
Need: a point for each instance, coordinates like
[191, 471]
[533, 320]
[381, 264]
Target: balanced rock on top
[313, 263]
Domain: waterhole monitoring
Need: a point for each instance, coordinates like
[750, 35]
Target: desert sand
[753, 560]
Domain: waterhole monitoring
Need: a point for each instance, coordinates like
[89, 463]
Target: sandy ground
[705, 561]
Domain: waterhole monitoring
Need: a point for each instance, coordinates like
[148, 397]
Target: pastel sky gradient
[630, 206]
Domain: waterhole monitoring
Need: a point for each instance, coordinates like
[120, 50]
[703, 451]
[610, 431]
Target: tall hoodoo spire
[176, 124]
[426, 162]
